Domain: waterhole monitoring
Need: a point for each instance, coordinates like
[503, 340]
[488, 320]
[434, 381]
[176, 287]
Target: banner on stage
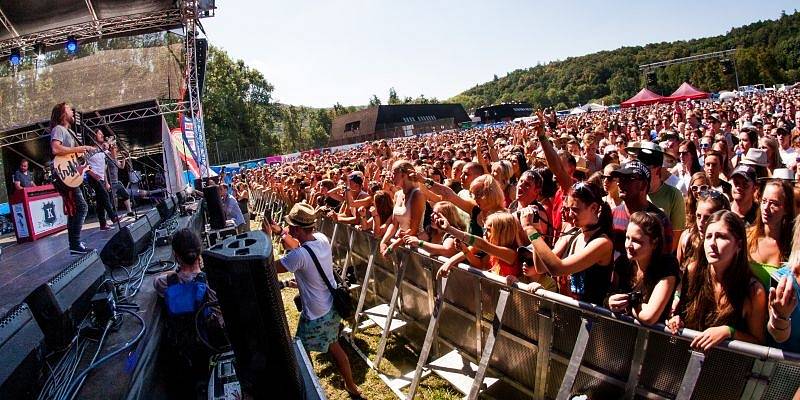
[47, 214]
[19, 220]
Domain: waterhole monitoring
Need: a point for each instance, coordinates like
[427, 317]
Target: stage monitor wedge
[240, 270]
[216, 217]
[153, 217]
[166, 208]
[64, 301]
[21, 354]
[124, 247]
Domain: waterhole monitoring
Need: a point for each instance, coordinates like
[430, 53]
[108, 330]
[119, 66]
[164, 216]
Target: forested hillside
[768, 53]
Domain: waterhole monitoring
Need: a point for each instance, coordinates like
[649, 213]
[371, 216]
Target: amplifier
[124, 247]
[21, 354]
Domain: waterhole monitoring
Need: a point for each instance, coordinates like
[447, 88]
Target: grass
[398, 356]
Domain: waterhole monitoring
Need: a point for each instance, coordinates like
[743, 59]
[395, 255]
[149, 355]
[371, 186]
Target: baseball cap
[633, 168]
[356, 177]
[745, 171]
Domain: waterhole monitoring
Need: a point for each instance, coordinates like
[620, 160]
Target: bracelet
[788, 319]
[732, 331]
[471, 240]
[533, 236]
[421, 242]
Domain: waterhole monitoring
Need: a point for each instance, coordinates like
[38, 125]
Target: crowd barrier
[476, 331]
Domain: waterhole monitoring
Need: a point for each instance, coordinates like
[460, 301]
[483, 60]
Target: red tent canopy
[643, 98]
[687, 92]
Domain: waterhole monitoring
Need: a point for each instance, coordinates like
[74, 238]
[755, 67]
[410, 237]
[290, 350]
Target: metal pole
[735, 72]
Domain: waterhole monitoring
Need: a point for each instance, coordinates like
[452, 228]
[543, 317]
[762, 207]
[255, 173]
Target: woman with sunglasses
[707, 203]
[687, 166]
[768, 240]
[721, 298]
[645, 278]
[611, 186]
[584, 259]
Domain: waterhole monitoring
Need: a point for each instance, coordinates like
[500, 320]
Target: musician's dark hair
[57, 114]
[187, 246]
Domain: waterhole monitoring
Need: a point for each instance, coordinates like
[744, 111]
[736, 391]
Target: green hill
[768, 53]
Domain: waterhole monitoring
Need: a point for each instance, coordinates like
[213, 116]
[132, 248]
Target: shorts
[120, 191]
[318, 334]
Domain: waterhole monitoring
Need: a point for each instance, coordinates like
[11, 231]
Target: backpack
[184, 298]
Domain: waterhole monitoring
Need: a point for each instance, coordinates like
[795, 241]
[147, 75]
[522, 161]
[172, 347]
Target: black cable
[72, 386]
[94, 357]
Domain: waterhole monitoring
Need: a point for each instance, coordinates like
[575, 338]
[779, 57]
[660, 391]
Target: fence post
[691, 375]
[575, 360]
[430, 338]
[639, 350]
[390, 314]
[362, 297]
[488, 348]
[545, 336]
[347, 255]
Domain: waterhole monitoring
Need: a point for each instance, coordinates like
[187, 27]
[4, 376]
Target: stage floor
[25, 266]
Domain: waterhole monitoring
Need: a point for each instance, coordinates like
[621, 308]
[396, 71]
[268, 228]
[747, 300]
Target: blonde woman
[409, 205]
[502, 172]
[437, 242]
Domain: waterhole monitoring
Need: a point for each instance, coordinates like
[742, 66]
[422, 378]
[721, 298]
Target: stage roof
[26, 23]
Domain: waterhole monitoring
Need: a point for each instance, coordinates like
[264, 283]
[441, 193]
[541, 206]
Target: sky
[318, 53]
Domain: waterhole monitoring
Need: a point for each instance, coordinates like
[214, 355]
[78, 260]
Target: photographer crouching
[309, 257]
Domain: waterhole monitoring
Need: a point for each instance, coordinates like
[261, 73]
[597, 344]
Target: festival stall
[643, 98]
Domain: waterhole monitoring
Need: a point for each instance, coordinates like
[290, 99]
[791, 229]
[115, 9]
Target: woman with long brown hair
[688, 165]
[721, 297]
[768, 240]
[707, 203]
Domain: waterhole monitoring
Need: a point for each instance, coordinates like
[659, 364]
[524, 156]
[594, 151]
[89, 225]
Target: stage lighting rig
[72, 45]
[38, 49]
[15, 58]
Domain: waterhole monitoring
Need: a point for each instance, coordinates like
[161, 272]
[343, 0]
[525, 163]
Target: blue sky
[317, 53]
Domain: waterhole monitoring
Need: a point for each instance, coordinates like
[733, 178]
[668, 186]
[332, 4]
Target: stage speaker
[153, 217]
[62, 303]
[124, 247]
[21, 354]
[216, 218]
[240, 270]
[166, 208]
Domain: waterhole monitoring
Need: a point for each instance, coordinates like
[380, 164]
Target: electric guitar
[69, 168]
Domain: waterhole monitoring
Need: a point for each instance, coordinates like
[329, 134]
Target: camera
[635, 298]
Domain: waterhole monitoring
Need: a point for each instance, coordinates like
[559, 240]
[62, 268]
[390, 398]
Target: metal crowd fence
[499, 341]
[262, 202]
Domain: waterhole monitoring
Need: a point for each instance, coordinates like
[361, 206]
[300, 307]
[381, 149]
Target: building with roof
[397, 120]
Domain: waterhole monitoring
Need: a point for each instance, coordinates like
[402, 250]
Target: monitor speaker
[240, 270]
[216, 218]
[124, 247]
[21, 354]
[166, 208]
[153, 217]
[62, 303]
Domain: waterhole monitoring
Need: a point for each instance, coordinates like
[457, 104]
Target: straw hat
[302, 215]
[757, 157]
[783, 174]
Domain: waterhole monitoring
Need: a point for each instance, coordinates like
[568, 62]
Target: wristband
[421, 242]
[471, 240]
[732, 331]
[781, 318]
[533, 236]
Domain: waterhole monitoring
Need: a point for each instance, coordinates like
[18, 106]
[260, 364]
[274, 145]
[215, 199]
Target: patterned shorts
[318, 334]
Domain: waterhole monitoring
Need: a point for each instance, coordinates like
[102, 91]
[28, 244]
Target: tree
[393, 99]
[374, 101]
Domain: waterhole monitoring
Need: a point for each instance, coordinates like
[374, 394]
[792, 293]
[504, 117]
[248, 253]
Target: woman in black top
[645, 278]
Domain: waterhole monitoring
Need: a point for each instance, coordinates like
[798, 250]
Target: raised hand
[782, 300]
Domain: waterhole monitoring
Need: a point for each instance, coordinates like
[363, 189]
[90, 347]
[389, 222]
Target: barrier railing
[475, 331]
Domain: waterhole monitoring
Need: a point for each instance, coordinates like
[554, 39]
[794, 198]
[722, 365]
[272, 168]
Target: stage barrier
[539, 345]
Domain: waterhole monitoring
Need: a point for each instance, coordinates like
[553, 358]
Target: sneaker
[105, 228]
[80, 249]
[130, 214]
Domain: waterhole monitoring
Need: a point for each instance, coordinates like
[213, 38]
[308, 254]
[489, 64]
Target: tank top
[502, 268]
[589, 285]
[763, 271]
[402, 210]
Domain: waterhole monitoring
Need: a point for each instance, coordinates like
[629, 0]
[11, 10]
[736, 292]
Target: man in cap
[788, 152]
[318, 327]
[667, 198]
[634, 185]
[743, 193]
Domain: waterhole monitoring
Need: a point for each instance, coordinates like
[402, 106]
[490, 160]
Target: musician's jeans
[102, 202]
[75, 223]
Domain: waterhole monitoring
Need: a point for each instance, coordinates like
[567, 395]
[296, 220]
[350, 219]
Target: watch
[533, 236]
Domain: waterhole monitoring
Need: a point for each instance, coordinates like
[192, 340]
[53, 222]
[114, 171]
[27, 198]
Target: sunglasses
[699, 188]
[683, 152]
[608, 177]
[705, 145]
[710, 193]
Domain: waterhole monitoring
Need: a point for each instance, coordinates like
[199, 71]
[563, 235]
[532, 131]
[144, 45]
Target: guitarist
[101, 185]
[63, 142]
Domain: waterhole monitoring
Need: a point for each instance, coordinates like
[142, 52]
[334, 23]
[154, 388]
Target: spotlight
[15, 58]
[72, 45]
[38, 49]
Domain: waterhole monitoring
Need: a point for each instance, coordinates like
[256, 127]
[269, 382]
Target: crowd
[682, 213]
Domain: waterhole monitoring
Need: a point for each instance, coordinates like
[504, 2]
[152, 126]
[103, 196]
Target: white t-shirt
[789, 156]
[98, 164]
[317, 299]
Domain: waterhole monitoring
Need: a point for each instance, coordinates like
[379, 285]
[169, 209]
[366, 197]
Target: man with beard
[62, 142]
[743, 193]
[634, 185]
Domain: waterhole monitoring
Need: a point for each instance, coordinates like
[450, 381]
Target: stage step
[397, 383]
[378, 315]
[458, 371]
[366, 323]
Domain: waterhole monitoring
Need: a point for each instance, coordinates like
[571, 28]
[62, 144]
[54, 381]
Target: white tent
[577, 110]
[592, 107]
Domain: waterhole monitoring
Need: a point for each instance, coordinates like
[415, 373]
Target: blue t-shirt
[793, 343]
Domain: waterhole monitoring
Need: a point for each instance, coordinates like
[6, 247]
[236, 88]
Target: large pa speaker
[63, 302]
[216, 217]
[21, 354]
[166, 208]
[240, 270]
[153, 217]
[124, 247]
